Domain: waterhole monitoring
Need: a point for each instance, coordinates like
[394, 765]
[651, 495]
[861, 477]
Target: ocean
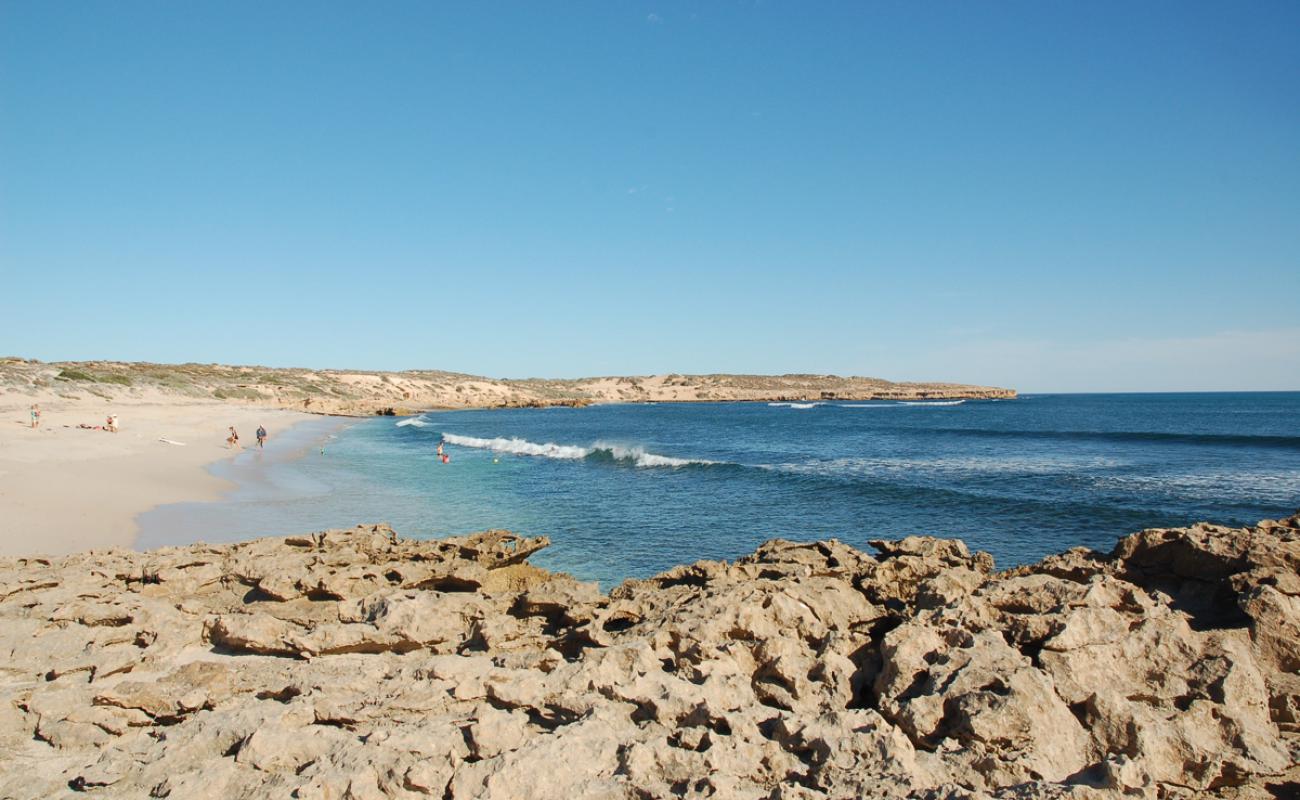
[630, 490]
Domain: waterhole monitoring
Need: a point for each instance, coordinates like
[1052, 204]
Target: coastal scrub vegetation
[71, 374]
[362, 392]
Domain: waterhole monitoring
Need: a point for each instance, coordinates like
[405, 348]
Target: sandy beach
[65, 489]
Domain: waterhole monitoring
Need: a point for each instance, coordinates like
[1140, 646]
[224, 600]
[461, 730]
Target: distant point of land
[363, 393]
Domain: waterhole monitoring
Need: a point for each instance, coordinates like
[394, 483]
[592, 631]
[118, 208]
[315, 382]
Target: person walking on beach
[261, 436]
[36, 415]
[233, 439]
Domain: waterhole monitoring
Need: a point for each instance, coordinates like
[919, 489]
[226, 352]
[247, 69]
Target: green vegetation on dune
[81, 375]
[74, 375]
[238, 393]
[363, 392]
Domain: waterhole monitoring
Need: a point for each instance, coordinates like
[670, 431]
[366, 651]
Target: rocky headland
[362, 393]
[357, 664]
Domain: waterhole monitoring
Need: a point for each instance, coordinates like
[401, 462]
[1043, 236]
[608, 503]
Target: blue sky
[1051, 196]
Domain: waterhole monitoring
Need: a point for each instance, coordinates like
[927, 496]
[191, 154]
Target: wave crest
[638, 456]
[598, 451]
[522, 447]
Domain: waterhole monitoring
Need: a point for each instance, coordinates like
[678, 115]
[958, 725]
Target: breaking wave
[894, 404]
[518, 446]
[640, 457]
[599, 451]
[416, 421]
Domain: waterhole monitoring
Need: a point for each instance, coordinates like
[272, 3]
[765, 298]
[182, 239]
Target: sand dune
[364, 393]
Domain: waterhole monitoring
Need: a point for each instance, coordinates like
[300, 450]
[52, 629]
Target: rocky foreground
[354, 664]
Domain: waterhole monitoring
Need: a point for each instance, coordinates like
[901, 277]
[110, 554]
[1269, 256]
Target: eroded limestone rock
[359, 664]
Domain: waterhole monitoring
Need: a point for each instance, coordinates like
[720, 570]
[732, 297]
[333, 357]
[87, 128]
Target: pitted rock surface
[356, 664]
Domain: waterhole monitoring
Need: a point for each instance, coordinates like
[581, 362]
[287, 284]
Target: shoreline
[65, 489]
[250, 476]
[689, 401]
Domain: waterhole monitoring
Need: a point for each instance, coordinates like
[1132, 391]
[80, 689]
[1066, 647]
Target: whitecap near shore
[614, 452]
[418, 422]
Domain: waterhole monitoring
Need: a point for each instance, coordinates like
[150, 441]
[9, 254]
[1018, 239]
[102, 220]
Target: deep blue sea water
[630, 490]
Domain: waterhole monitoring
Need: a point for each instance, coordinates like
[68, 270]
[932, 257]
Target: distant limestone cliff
[352, 392]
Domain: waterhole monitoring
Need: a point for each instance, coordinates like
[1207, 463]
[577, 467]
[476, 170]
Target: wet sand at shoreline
[257, 481]
[65, 489]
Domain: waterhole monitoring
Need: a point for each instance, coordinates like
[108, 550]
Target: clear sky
[1055, 196]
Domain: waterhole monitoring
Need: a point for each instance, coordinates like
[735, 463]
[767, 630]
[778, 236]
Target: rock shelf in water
[356, 664]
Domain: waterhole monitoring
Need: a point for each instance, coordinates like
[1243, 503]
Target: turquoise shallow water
[630, 490]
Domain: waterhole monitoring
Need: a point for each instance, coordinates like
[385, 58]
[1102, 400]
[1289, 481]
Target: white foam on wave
[1278, 488]
[518, 446]
[641, 458]
[903, 404]
[523, 447]
[416, 421]
[955, 466]
[795, 405]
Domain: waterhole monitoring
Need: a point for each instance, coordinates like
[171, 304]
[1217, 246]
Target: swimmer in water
[440, 448]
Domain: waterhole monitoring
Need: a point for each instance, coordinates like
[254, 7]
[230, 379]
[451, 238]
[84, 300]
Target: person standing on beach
[261, 436]
[36, 415]
[233, 439]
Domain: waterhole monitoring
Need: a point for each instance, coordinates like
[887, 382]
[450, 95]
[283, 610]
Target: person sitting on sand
[110, 424]
[261, 436]
[233, 439]
[36, 415]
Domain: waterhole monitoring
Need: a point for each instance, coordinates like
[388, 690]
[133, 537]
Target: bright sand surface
[65, 489]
